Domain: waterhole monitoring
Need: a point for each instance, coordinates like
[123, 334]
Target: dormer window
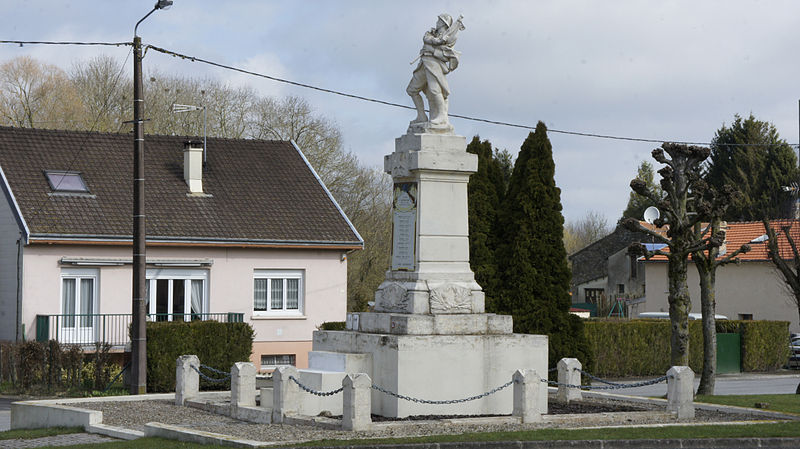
[66, 181]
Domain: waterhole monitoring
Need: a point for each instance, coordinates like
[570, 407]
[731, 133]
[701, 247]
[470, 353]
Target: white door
[78, 319]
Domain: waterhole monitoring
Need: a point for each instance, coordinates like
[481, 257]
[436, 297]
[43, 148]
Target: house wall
[619, 273]
[230, 287]
[9, 234]
[749, 288]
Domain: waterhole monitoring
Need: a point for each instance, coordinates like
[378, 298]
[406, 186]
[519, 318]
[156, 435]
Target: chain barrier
[449, 401]
[609, 387]
[595, 378]
[552, 370]
[314, 392]
[226, 377]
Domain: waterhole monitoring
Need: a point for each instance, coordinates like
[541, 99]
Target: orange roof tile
[740, 233]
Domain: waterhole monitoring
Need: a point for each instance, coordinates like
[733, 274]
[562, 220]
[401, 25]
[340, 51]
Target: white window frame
[271, 275]
[156, 274]
[78, 333]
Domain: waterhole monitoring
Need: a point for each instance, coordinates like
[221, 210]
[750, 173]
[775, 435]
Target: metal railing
[111, 328]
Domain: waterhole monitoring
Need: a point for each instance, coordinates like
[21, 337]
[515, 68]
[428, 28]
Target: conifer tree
[486, 189]
[750, 156]
[533, 265]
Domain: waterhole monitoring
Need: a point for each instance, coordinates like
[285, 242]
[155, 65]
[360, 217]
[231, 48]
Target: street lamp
[178, 108]
[138, 320]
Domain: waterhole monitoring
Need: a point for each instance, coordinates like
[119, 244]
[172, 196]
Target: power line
[387, 103]
[465, 117]
[110, 44]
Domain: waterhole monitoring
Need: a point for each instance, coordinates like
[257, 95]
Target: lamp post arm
[142, 20]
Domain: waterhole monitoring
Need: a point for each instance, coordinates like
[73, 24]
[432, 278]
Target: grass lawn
[27, 434]
[787, 403]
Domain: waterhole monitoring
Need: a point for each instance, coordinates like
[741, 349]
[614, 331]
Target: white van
[665, 316]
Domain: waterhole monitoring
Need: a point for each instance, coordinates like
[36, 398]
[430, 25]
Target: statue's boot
[438, 110]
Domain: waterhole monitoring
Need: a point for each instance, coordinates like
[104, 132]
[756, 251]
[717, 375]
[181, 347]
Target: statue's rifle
[457, 26]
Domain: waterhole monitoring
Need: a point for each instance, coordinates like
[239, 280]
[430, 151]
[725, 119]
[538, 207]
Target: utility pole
[139, 317]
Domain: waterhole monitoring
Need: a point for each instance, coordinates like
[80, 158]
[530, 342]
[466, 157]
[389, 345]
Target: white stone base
[442, 367]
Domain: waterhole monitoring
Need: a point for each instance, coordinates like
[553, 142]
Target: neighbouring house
[251, 234]
[753, 289]
[603, 272]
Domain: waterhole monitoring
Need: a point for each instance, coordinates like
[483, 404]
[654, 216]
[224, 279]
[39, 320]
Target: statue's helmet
[447, 19]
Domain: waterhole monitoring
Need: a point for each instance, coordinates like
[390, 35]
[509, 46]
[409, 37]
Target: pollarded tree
[707, 261]
[679, 176]
[637, 204]
[533, 265]
[486, 190]
[751, 156]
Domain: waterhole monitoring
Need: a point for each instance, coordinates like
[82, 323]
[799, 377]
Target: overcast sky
[666, 70]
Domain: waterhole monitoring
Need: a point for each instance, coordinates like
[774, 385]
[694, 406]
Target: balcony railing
[111, 328]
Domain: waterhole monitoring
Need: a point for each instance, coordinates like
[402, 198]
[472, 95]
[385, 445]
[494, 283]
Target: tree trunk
[679, 306]
[708, 307]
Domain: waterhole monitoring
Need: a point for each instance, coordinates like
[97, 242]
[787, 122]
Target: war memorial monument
[429, 336]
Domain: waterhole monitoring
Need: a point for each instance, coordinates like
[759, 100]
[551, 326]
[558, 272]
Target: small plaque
[404, 226]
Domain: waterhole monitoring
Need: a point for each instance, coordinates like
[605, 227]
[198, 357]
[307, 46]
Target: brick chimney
[193, 165]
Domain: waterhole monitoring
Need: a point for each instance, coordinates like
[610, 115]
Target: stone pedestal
[429, 336]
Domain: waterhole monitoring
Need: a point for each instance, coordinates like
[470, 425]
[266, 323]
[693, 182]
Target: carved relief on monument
[451, 298]
[394, 298]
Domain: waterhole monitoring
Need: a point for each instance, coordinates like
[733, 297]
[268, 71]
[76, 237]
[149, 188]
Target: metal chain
[596, 378]
[609, 387]
[211, 379]
[449, 401]
[552, 370]
[214, 370]
[318, 393]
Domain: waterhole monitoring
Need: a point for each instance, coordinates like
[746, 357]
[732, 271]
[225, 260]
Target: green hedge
[641, 347]
[765, 345]
[218, 345]
[333, 326]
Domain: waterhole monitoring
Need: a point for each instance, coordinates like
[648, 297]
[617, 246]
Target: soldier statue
[436, 59]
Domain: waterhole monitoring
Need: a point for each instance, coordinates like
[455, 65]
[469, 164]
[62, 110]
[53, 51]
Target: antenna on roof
[651, 214]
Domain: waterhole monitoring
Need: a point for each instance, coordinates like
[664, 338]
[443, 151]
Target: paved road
[728, 384]
[5, 413]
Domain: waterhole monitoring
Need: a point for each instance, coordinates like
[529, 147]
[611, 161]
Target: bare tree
[36, 95]
[105, 94]
[789, 268]
[707, 261]
[681, 172]
[581, 233]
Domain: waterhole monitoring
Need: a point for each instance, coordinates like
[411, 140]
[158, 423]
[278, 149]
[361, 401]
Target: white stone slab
[442, 367]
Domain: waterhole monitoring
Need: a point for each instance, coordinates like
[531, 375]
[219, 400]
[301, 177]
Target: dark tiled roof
[260, 191]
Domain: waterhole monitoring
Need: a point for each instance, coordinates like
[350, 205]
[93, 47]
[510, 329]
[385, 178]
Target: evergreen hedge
[641, 347]
[218, 345]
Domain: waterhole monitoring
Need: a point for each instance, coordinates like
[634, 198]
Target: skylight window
[65, 181]
[760, 239]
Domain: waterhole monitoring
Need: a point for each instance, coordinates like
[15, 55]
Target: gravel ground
[135, 414]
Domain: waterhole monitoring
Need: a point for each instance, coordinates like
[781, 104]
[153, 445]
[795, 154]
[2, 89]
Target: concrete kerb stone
[187, 380]
[680, 391]
[569, 374]
[114, 432]
[243, 387]
[356, 402]
[171, 432]
[285, 393]
[527, 387]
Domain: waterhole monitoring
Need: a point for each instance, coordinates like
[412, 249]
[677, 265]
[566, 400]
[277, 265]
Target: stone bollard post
[569, 374]
[243, 386]
[527, 388]
[357, 402]
[680, 391]
[187, 381]
[285, 393]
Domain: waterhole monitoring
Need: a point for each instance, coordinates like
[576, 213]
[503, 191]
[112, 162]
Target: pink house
[250, 234]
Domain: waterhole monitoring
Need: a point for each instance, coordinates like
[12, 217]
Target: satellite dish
[651, 214]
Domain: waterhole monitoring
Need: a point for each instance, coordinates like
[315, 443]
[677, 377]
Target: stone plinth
[430, 255]
[442, 367]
